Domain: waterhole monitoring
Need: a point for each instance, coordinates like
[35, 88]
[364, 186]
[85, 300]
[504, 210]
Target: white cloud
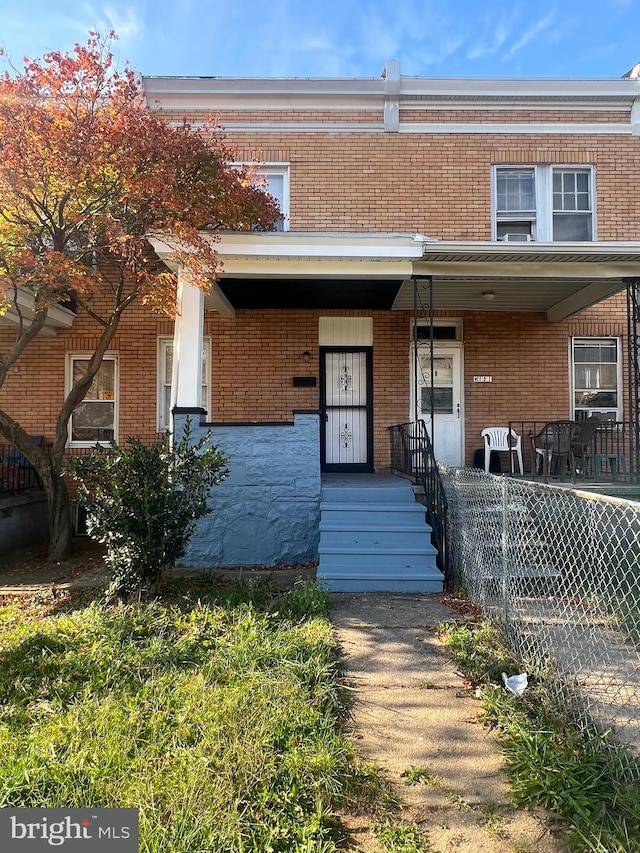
[498, 33]
[534, 30]
[124, 22]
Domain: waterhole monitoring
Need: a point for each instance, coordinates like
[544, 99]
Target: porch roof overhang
[557, 279]
[308, 270]
[377, 271]
[23, 310]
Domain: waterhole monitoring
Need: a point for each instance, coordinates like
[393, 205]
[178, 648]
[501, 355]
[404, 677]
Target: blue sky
[340, 38]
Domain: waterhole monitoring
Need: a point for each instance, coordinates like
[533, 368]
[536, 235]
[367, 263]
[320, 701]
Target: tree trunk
[59, 512]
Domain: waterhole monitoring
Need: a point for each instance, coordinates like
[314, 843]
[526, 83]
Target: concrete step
[359, 513]
[402, 492]
[375, 538]
[363, 573]
[373, 561]
[394, 583]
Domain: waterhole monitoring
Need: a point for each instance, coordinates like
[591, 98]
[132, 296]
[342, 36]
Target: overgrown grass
[219, 718]
[400, 837]
[550, 761]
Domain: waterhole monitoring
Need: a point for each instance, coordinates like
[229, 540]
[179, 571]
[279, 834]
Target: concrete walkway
[413, 713]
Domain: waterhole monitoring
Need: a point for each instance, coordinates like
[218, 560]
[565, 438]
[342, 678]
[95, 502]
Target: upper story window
[543, 203]
[277, 185]
[95, 418]
[274, 179]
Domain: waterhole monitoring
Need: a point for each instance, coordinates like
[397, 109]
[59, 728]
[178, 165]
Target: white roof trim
[182, 93]
[278, 254]
[57, 316]
[595, 260]
[295, 244]
[458, 88]
[544, 128]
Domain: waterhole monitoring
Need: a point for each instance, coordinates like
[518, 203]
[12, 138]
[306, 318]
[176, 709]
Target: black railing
[605, 454]
[412, 457]
[17, 474]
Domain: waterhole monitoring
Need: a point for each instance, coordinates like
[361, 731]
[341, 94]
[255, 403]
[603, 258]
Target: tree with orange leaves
[88, 173]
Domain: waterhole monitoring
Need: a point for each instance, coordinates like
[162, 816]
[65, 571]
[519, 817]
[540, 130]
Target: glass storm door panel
[446, 430]
[346, 404]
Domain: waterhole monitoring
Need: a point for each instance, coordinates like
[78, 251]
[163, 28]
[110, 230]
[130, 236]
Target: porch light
[306, 355]
[489, 295]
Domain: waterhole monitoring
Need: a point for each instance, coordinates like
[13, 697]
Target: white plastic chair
[501, 438]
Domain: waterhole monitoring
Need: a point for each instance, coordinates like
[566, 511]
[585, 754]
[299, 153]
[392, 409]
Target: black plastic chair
[583, 441]
[554, 445]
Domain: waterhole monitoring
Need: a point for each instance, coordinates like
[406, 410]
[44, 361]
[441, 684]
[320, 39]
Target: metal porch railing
[17, 475]
[412, 457]
[608, 456]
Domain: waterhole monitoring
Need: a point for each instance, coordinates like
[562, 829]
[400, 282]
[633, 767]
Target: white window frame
[440, 322]
[164, 386]
[589, 410]
[282, 170]
[542, 221]
[70, 358]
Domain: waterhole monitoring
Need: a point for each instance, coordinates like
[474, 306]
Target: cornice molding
[391, 90]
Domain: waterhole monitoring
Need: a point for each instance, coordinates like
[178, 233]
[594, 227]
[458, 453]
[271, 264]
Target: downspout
[633, 371]
[415, 348]
[431, 360]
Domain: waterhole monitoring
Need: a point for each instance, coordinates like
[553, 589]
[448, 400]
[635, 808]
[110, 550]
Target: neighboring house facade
[483, 230]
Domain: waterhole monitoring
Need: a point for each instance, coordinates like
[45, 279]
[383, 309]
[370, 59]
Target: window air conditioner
[517, 238]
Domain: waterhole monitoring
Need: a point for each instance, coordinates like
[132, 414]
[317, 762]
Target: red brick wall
[440, 184]
[529, 360]
[436, 184]
[256, 355]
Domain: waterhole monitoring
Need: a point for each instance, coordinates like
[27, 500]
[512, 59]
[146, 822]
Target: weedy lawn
[551, 762]
[218, 715]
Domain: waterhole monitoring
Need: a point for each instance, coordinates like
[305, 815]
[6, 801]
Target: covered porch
[430, 283]
[382, 288]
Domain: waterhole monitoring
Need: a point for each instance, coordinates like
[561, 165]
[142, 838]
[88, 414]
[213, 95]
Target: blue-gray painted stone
[268, 510]
[23, 521]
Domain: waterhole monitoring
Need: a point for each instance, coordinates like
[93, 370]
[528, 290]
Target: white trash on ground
[517, 684]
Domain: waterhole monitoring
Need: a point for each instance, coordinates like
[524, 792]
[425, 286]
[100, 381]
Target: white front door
[446, 431]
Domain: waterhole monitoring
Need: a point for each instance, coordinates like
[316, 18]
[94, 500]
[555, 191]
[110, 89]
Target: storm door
[447, 427]
[346, 421]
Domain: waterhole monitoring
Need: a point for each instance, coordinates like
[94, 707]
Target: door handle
[458, 410]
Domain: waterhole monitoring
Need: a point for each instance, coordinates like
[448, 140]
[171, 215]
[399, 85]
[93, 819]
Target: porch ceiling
[376, 271]
[555, 279]
[301, 293]
[557, 298]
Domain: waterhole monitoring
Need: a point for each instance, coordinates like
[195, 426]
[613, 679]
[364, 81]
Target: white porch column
[186, 377]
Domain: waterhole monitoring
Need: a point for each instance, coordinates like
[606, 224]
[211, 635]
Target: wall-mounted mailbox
[304, 381]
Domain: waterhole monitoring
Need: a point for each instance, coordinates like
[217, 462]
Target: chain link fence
[560, 569]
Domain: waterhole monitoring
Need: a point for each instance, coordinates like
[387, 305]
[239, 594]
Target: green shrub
[142, 503]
